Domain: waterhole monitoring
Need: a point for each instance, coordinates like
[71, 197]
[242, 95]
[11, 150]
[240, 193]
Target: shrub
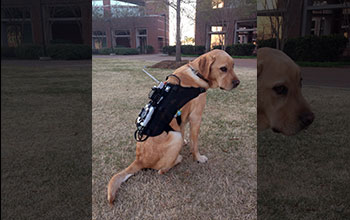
[125, 51]
[199, 50]
[69, 51]
[267, 43]
[95, 51]
[240, 49]
[165, 49]
[171, 50]
[219, 47]
[29, 51]
[118, 51]
[149, 49]
[185, 49]
[192, 50]
[311, 48]
[7, 52]
[314, 48]
[105, 51]
[60, 41]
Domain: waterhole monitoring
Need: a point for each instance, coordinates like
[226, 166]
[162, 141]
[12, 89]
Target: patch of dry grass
[307, 176]
[45, 139]
[223, 188]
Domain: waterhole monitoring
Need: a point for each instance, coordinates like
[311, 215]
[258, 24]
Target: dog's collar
[198, 74]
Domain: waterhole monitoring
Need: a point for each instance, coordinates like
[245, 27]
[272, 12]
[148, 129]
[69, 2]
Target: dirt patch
[169, 64]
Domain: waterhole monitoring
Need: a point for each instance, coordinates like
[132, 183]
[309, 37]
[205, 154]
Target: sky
[187, 24]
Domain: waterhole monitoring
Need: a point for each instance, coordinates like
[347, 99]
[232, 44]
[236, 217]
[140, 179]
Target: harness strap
[178, 120]
[173, 75]
[198, 74]
[202, 77]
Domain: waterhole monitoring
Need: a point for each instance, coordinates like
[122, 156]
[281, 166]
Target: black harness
[165, 101]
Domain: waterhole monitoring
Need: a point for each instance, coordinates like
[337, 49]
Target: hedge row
[239, 49]
[185, 49]
[149, 49]
[236, 49]
[55, 51]
[311, 48]
[22, 52]
[118, 51]
[69, 51]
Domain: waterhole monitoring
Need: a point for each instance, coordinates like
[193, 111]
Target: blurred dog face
[281, 105]
[218, 67]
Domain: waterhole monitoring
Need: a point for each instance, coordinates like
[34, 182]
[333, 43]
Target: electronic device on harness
[165, 101]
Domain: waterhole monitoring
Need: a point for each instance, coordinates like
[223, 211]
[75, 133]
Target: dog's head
[281, 105]
[218, 68]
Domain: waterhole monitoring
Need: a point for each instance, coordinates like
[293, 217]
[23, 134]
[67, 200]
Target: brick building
[225, 22]
[130, 23]
[306, 17]
[39, 21]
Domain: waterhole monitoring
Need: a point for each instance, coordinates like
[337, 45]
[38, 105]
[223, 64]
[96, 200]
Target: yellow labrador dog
[281, 106]
[216, 69]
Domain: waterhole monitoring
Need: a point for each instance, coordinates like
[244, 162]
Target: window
[142, 32]
[122, 38]
[17, 27]
[217, 40]
[99, 39]
[217, 36]
[59, 30]
[15, 13]
[216, 28]
[63, 20]
[245, 31]
[122, 32]
[17, 34]
[217, 4]
[161, 44]
[65, 12]
[141, 40]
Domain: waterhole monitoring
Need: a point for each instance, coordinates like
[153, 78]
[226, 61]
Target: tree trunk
[178, 37]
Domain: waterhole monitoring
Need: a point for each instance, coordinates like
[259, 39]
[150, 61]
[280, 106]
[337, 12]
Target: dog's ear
[204, 64]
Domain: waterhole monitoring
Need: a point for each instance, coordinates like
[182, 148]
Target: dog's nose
[235, 83]
[306, 118]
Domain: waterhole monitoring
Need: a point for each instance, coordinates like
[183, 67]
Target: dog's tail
[119, 178]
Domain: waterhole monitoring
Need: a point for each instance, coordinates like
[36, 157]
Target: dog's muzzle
[235, 83]
[306, 119]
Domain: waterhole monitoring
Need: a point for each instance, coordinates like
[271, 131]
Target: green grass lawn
[45, 139]
[222, 188]
[307, 176]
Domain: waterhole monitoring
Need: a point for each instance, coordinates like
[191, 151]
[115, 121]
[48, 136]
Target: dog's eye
[281, 90]
[223, 69]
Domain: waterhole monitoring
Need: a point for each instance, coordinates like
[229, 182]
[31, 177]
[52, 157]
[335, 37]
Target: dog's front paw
[202, 159]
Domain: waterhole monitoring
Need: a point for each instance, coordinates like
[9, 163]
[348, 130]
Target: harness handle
[173, 75]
